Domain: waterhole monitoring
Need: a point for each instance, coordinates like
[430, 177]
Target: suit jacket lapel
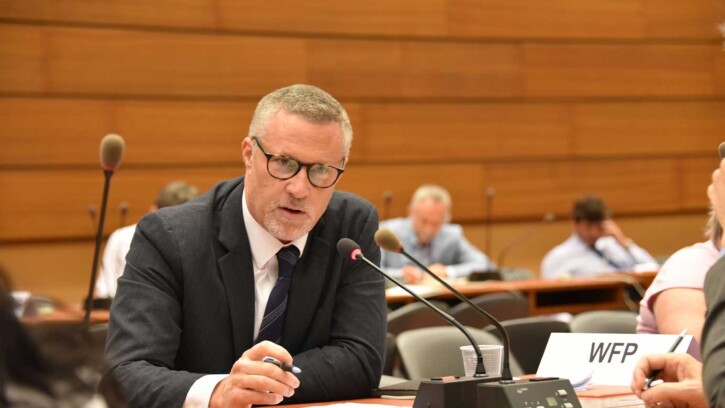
[236, 271]
[308, 280]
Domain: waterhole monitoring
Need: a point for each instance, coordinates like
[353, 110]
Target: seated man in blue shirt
[597, 245]
[427, 236]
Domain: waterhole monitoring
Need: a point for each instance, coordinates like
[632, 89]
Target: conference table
[594, 397]
[602, 292]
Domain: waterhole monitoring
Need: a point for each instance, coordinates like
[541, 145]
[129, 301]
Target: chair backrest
[605, 321]
[414, 316]
[502, 306]
[391, 354]
[529, 336]
[434, 351]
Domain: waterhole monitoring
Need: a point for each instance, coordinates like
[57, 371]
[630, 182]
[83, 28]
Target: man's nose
[299, 186]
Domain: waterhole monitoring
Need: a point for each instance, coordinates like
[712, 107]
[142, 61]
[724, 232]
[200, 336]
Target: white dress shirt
[574, 258]
[114, 261]
[264, 248]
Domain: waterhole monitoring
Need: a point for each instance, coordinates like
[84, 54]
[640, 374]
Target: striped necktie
[272, 326]
[605, 258]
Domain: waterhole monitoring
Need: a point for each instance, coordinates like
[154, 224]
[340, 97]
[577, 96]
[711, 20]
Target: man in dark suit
[203, 289]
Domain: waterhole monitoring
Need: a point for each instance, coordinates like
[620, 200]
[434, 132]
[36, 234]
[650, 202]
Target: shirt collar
[263, 244]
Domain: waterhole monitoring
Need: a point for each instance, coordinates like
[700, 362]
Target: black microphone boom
[506, 393]
[350, 249]
[112, 149]
[387, 240]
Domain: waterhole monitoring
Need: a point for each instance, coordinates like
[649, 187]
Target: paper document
[355, 405]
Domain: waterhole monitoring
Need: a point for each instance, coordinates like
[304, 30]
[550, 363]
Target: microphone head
[387, 240]
[490, 192]
[549, 217]
[348, 248]
[387, 195]
[112, 148]
[721, 150]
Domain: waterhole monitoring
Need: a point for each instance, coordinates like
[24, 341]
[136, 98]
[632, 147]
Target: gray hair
[713, 230]
[435, 193]
[310, 102]
[175, 193]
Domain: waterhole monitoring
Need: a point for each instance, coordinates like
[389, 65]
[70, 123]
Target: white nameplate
[606, 359]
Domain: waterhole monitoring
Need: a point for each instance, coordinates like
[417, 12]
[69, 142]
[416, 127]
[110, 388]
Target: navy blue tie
[272, 326]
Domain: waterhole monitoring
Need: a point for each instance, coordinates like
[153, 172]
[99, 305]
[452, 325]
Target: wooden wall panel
[113, 62]
[644, 129]
[162, 13]
[683, 19]
[618, 70]
[410, 69]
[43, 132]
[22, 59]
[546, 19]
[442, 132]
[375, 17]
[125, 62]
[53, 204]
[554, 19]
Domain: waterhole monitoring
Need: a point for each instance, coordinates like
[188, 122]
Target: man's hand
[411, 274]
[683, 381]
[252, 381]
[439, 269]
[716, 193]
[612, 229]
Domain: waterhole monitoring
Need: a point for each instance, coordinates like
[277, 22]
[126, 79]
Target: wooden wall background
[542, 101]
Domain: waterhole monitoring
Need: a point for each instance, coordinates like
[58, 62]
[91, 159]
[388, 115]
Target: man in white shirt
[119, 242]
[428, 236]
[597, 245]
[250, 270]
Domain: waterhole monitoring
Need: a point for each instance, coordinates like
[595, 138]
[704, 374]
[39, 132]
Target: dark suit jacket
[185, 303]
[713, 336]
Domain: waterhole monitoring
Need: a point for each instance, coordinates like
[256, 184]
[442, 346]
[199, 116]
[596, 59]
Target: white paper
[355, 405]
[608, 358]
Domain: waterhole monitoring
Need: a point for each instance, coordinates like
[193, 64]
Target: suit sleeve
[145, 326]
[713, 336]
[350, 366]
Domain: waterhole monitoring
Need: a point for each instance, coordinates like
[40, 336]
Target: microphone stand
[506, 376]
[99, 237]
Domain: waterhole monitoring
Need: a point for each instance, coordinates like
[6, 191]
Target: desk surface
[547, 296]
[625, 399]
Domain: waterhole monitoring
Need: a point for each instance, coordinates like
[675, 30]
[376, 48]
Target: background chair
[605, 321]
[434, 351]
[414, 316]
[503, 306]
[529, 336]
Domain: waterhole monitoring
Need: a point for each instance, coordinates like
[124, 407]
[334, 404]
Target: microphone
[488, 237]
[387, 203]
[350, 249]
[721, 150]
[111, 153]
[506, 393]
[112, 149]
[548, 217]
[386, 239]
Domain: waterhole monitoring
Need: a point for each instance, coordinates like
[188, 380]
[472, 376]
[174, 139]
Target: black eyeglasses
[284, 168]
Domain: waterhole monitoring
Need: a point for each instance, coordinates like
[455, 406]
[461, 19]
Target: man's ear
[247, 150]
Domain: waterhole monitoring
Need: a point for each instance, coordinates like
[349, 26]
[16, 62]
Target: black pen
[655, 373]
[286, 367]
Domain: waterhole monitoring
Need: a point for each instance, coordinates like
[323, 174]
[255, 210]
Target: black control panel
[533, 393]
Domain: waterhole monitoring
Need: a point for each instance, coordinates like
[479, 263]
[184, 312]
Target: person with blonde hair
[428, 236]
